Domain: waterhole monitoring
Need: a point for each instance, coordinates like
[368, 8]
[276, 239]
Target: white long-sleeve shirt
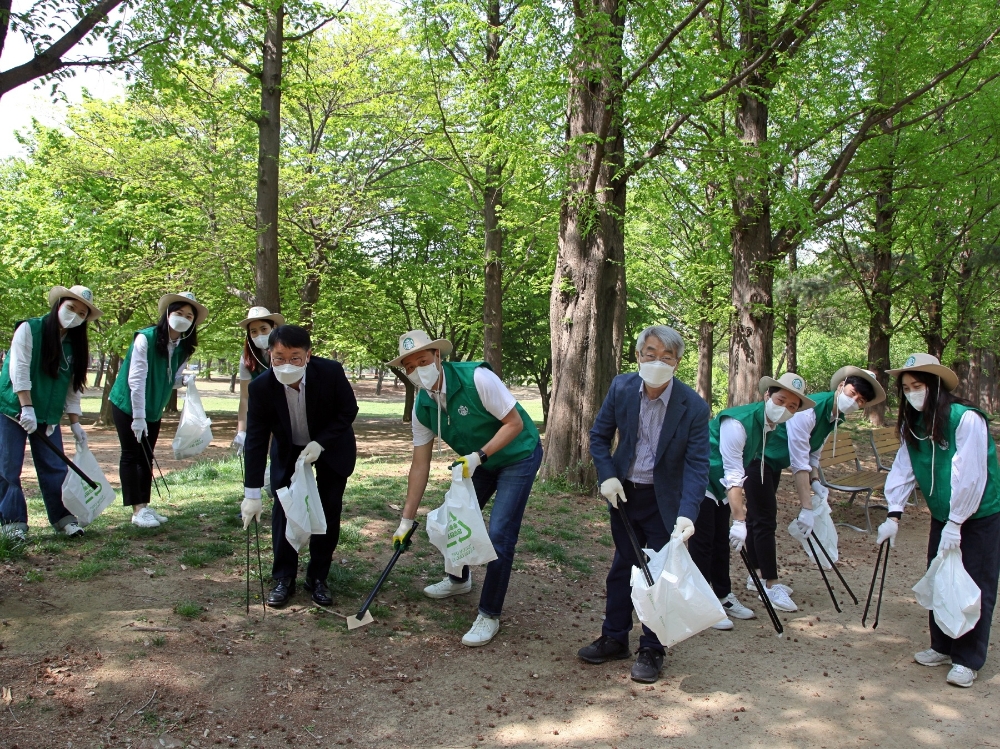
[139, 368]
[732, 440]
[799, 429]
[21, 347]
[496, 398]
[968, 471]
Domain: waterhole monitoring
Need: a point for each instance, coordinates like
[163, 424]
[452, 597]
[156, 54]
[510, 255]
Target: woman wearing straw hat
[799, 442]
[947, 452]
[737, 475]
[254, 362]
[42, 378]
[153, 367]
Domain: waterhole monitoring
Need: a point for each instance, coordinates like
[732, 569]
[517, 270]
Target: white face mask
[917, 398]
[178, 322]
[425, 376]
[776, 414]
[260, 341]
[655, 373]
[289, 374]
[68, 318]
[846, 404]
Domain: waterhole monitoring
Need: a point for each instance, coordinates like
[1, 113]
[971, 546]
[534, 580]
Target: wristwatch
[483, 457]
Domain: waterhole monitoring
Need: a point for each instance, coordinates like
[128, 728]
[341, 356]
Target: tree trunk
[110, 374]
[492, 203]
[411, 394]
[232, 380]
[752, 333]
[792, 319]
[171, 407]
[101, 362]
[933, 333]
[269, 149]
[706, 356]
[880, 306]
[380, 376]
[587, 302]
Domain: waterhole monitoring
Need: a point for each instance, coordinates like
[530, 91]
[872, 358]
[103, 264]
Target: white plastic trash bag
[194, 431]
[303, 510]
[457, 527]
[949, 591]
[680, 603]
[86, 503]
[824, 531]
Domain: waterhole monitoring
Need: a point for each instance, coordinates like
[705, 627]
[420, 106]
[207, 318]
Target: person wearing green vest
[467, 406]
[153, 367]
[946, 451]
[43, 376]
[799, 442]
[738, 476]
[254, 362]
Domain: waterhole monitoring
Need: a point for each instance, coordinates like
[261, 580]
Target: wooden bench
[885, 444]
[843, 453]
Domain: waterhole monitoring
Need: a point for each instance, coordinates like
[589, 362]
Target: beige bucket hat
[80, 294]
[788, 381]
[928, 363]
[262, 313]
[868, 376]
[418, 340]
[201, 311]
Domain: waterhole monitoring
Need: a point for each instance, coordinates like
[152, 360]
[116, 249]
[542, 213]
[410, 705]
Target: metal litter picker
[878, 606]
[763, 595]
[364, 617]
[635, 546]
[40, 433]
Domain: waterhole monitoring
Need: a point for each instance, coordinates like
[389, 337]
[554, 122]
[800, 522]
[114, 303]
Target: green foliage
[188, 609]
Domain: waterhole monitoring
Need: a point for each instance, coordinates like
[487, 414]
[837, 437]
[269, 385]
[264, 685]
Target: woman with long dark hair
[947, 452]
[43, 377]
[153, 367]
[254, 361]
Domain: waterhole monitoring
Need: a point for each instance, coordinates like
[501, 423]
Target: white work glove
[310, 453]
[81, 436]
[613, 491]
[250, 509]
[139, 429]
[951, 537]
[404, 527]
[683, 529]
[469, 463]
[188, 379]
[28, 420]
[819, 490]
[805, 521]
[887, 532]
[738, 535]
[238, 441]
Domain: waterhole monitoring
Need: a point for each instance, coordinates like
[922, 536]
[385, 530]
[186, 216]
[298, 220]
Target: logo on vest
[797, 383]
[910, 362]
[463, 410]
[408, 344]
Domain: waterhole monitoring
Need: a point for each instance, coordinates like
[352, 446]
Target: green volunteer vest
[466, 425]
[48, 394]
[159, 378]
[776, 450]
[751, 416]
[939, 502]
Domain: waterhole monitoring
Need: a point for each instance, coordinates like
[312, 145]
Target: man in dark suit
[659, 469]
[307, 405]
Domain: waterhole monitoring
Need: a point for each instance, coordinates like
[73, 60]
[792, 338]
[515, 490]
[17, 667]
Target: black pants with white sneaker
[135, 467]
[709, 546]
[762, 518]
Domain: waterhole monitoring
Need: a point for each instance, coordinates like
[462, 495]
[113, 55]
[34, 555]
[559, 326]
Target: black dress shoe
[604, 649]
[320, 593]
[646, 668]
[281, 593]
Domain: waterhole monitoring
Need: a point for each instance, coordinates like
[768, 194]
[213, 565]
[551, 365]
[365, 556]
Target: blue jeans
[512, 485]
[50, 470]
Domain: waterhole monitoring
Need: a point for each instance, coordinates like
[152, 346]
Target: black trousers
[981, 559]
[286, 560]
[135, 467]
[709, 546]
[762, 519]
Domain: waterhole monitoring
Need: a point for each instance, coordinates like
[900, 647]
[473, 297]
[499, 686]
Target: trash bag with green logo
[300, 500]
[86, 503]
[457, 527]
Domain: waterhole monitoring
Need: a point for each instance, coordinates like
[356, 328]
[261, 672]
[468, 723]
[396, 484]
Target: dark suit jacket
[680, 473]
[330, 411]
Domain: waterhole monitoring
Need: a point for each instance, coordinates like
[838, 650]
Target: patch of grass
[34, 576]
[190, 609]
[350, 534]
[115, 548]
[605, 540]
[49, 548]
[203, 554]
[158, 641]
[11, 548]
[85, 570]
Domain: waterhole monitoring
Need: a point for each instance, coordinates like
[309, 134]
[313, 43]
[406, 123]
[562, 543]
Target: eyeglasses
[670, 360]
[295, 361]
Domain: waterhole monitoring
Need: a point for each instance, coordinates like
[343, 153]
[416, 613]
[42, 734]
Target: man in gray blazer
[658, 474]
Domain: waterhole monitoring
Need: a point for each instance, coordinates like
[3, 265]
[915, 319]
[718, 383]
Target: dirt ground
[107, 663]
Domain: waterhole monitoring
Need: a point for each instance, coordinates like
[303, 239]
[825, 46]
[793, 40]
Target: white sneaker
[72, 530]
[483, 630]
[161, 519]
[145, 519]
[725, 625]
[778, 586]
[733, 607]
[14, 532]
[447, 588]
[961, 676]
[931, 657]
[780, 599]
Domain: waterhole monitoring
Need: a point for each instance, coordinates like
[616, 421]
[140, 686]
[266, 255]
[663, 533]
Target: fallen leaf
[394, 507]
[7, 697]
[184, 567]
